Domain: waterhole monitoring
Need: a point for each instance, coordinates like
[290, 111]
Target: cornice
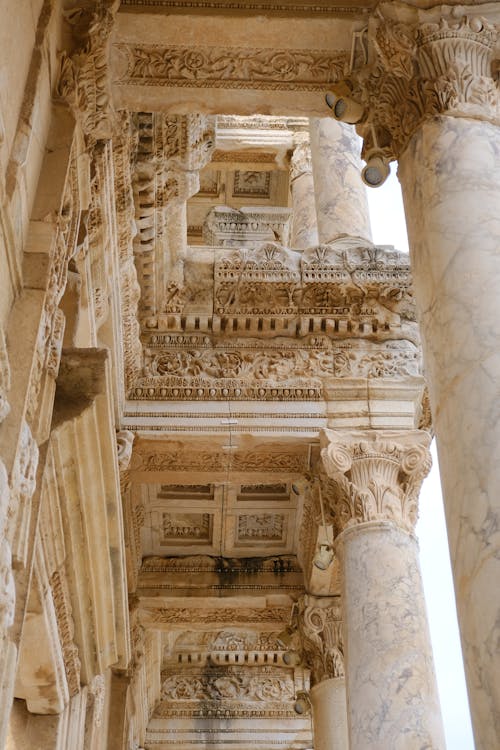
[356, 8]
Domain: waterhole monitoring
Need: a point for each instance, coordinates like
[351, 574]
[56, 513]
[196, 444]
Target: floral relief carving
[228, 67]
[230, 615]
[181, 457]
[377, 475]
[229, 684]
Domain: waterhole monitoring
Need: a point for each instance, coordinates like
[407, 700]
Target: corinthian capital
[320, 627]
[84, 76]
[378, 475]
[419, 64]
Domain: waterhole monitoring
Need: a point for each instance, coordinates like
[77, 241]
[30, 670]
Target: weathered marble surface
[341, 202]
[391, 689]
[304, 230]
[450, 175]
[328, 699]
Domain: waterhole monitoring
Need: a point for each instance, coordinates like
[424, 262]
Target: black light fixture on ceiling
[344, 108]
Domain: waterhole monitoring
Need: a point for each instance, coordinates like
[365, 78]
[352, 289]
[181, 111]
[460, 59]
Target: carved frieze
[178, 456]
[231, 566]
[222, 615]
[247, 369]
[252, 184]
[124, 147]
[230, 684]
[66, 629]
[227, 67]
[246, 227]
[188, 527]
[22, 483]
[261, 526]
[378, 475]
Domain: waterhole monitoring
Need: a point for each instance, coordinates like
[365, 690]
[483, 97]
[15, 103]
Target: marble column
[391, 688]
[304, 232]
[340, 194]
[320, 628]
[447, 141]
[329, 711]
[450, 174]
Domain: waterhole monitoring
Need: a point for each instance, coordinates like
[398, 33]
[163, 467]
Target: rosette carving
[377, 475]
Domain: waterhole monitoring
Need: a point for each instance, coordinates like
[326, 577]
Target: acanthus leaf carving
[84, 75]
[439, 66]
[228, 67]
[320, 627]
[378, 475]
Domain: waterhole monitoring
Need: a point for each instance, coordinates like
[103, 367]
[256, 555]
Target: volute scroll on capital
[378, 475]
[409, 66]
[320, 627]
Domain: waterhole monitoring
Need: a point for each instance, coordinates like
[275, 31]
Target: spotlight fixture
[343, 108]
[377, 169]
[324, 555]
[292, 658]
[302, 703]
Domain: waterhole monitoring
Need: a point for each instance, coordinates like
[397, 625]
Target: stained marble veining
[450, 175]
[391, 688]
[341, 201]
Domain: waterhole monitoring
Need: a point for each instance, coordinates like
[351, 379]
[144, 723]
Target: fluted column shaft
[304, 231]
[340, 195]
[391, 688]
